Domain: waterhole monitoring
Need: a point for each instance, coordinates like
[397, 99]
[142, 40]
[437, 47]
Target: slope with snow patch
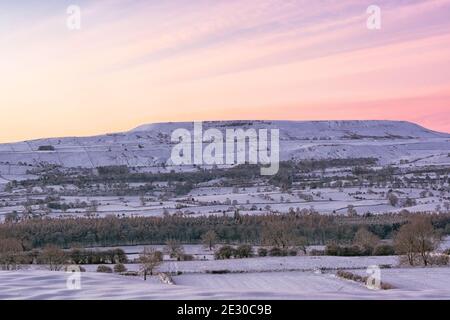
[150, 145]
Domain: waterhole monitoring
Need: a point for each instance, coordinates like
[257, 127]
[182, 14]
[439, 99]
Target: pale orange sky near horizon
[135, 62]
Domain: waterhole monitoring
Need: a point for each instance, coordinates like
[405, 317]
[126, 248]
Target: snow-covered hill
[149, 145]
[310, 129]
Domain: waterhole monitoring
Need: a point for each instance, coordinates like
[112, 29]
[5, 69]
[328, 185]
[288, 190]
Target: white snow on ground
[429, 282]
[248, 200]
[286, 263]
[410, 284]
[266, 264]
[52, 285]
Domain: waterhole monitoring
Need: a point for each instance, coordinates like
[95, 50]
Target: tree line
[310, 228]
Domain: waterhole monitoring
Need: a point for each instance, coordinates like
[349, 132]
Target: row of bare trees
[12, 256]
[281, 234]
[417, 240]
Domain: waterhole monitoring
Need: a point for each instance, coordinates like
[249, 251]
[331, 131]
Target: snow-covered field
[220, 200]
[410, 284]
[270, 264]
[260, 264]
[422, 280]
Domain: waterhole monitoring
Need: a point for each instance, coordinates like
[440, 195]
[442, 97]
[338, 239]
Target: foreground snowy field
[410, 284]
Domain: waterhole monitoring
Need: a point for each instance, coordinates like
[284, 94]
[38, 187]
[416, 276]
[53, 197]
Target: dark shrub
[83, 256]
[76, 256]
[130, 273]
[119, 268]
[439, 260]
[46, 148]
[315, 252]
[384, 250]
[345, 251]
[118, 256]
[113, 170]
[159, 255]
[447, 229]
[225, 252]
[350, 276]
[331, 250]
[386, 286]
[262, 252]
[292, 252]
[218, 271]
[183, 188]
[186, 257]
[277, 252]
[104, 269]
[244, 251]
[352, 251]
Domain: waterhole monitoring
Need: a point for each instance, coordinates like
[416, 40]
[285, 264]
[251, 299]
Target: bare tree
[417, 238]
[53, 257]
[10, 250]
[174, 249]
[10, 245]
[366, 239]
[428, 238]
[279, 234]
[149, 260]
[209, 239]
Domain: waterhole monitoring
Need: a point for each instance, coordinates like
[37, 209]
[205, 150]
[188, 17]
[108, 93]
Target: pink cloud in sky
[136, 61]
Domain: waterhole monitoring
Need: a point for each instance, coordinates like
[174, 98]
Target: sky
[134, 62]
